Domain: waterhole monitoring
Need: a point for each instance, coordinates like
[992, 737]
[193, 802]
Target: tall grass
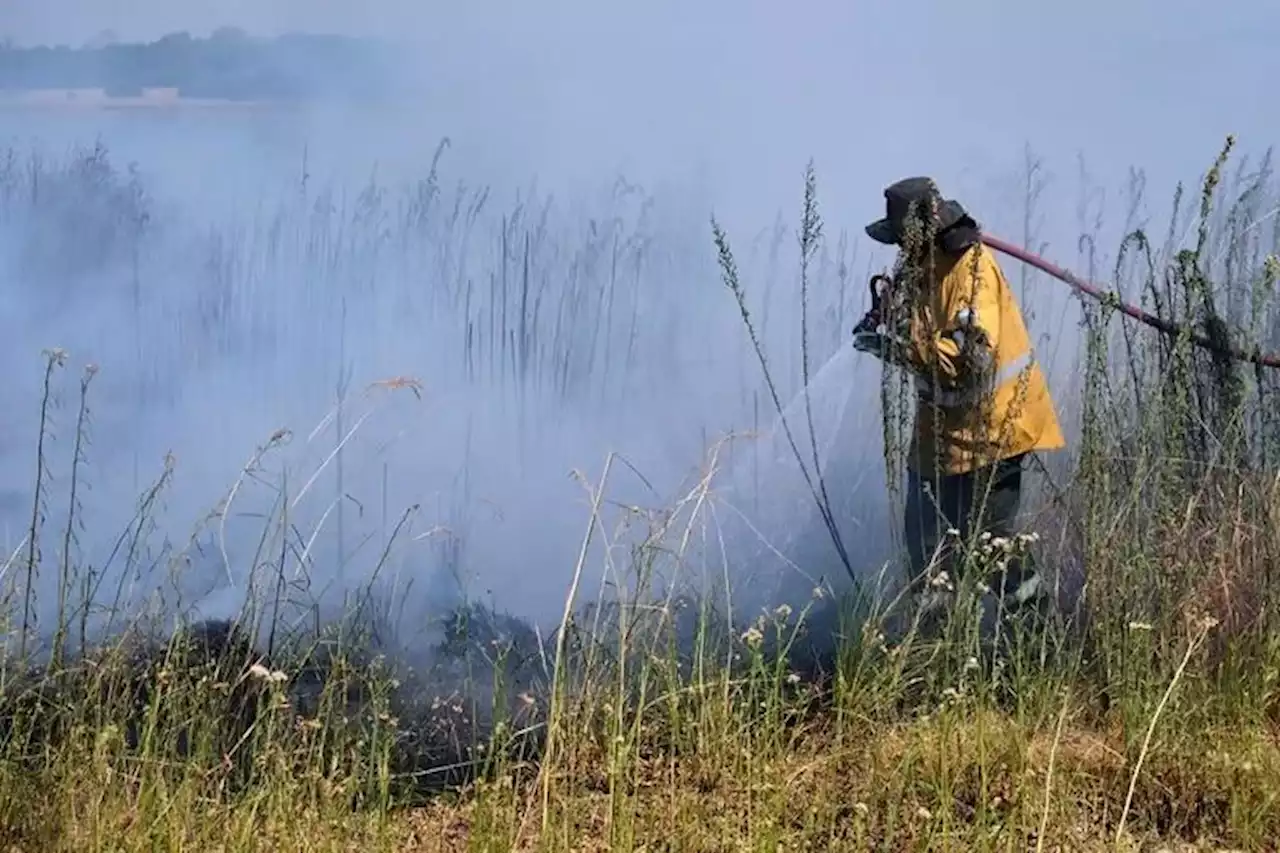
[653, 713]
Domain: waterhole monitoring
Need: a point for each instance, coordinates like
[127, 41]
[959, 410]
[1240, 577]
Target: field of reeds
[381, 630]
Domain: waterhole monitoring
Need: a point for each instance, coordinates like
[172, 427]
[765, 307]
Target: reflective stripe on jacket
[986, 402]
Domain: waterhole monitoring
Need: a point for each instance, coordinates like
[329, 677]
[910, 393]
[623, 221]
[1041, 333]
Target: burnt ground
[481, 688]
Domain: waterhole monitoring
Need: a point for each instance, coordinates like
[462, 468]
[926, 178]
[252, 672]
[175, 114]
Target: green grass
[648, 722]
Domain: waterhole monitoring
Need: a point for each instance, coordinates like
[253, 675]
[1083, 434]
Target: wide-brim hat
[920, 194]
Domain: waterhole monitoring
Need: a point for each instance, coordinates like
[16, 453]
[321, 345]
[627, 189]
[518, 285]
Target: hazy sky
[747, 90]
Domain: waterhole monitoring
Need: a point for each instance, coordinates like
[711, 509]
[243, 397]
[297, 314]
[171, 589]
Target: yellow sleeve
[971, 303]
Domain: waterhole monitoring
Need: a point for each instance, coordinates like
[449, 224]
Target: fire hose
[879, 284]
[1252, 356]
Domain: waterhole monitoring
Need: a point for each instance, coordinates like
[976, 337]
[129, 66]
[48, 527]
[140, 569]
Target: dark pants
[981, 501]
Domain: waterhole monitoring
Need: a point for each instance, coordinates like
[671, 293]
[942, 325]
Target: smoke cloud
[521, 225]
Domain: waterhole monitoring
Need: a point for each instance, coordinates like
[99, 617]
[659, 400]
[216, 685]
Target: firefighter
[949, 317]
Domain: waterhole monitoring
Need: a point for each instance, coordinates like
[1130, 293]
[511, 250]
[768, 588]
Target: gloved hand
[879, 343]
[868, 334]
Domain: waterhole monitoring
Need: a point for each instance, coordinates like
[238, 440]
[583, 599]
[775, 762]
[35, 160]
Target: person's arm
[962, 353]
[893, 346]
[963, 348]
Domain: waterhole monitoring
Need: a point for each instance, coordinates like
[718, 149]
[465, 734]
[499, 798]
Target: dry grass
[957, 781]
[1152, 720]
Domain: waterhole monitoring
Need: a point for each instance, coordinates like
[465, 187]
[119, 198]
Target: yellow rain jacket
[965, 421]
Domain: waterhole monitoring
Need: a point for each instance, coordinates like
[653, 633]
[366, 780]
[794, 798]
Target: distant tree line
[228, 64]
